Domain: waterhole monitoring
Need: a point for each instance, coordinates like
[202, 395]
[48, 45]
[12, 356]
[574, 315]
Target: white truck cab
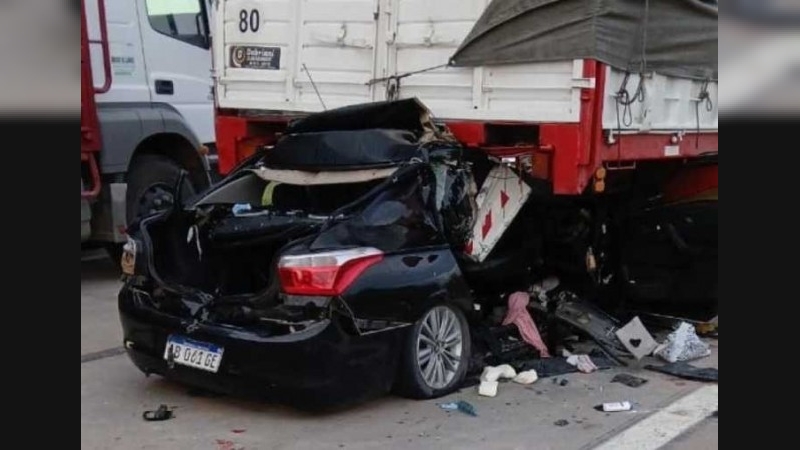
[160, 54]
[151, 69]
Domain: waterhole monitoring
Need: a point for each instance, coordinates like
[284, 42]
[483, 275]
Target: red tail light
[328, 273]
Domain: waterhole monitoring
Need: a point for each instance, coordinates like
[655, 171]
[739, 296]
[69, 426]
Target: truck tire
[150, 174]
[436, 343]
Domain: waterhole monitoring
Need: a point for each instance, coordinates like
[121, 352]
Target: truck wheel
[151, 184]
[436, 354]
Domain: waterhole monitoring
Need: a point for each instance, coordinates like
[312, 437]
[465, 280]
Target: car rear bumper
[322, 366]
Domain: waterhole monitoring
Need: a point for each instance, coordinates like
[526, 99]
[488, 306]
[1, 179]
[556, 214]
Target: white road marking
[667, 424]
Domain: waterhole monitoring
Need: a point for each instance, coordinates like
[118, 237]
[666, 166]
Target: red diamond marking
[487, 224]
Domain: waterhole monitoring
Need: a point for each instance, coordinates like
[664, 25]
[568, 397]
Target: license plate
[188, 352]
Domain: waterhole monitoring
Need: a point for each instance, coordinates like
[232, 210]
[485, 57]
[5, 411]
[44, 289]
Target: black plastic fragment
[628, 380]
[162, 413]
[685, 370]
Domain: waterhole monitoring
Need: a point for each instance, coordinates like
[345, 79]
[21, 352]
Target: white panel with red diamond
[501, 197]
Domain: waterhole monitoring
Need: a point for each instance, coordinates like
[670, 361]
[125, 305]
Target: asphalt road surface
[668, 412]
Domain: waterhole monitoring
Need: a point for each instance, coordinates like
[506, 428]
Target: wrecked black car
[323, 269]
[358, 255]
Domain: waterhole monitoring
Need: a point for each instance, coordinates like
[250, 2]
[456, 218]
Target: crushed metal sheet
[590, 319]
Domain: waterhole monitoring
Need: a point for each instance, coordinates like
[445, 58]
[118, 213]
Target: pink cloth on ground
[518, 315]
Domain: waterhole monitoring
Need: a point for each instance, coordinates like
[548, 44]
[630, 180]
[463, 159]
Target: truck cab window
[184, 20]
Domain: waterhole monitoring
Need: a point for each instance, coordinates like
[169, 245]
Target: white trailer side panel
[667, 103]
[347, 43]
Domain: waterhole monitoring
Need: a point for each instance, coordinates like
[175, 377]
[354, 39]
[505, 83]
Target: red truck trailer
[611, 123]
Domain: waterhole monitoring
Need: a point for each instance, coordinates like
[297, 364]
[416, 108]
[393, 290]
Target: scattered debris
[488, 388]
[504, 371]
[563, 382]
[614, 406]
[162, 413]
[503, 344]
[526, 377]
[685, 370]
[540, 290]
[593, 321]
[548, 367]
[238, 430]
[518, 315]
[628, 380]
[683, 344]
[489, 377]
[460, 405]
[635, 337]
[561, 423]
[703, 327]
[582, 362]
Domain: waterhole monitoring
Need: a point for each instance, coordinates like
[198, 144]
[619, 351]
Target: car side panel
[405, 284]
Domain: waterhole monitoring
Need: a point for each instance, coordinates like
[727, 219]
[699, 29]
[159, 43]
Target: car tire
[427, 371]
[149, 172]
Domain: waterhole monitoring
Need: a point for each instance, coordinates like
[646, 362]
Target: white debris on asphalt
[526, 377]
[492, 373]
[583, 362]
[683, 344]
[488, 388]
[489, 377]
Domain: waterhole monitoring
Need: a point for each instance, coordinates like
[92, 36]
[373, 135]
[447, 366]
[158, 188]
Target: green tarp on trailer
[672, 37]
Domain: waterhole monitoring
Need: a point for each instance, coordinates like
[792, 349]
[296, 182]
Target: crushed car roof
[371, 135]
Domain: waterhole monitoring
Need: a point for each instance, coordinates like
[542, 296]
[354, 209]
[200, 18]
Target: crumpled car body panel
[333, 349]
